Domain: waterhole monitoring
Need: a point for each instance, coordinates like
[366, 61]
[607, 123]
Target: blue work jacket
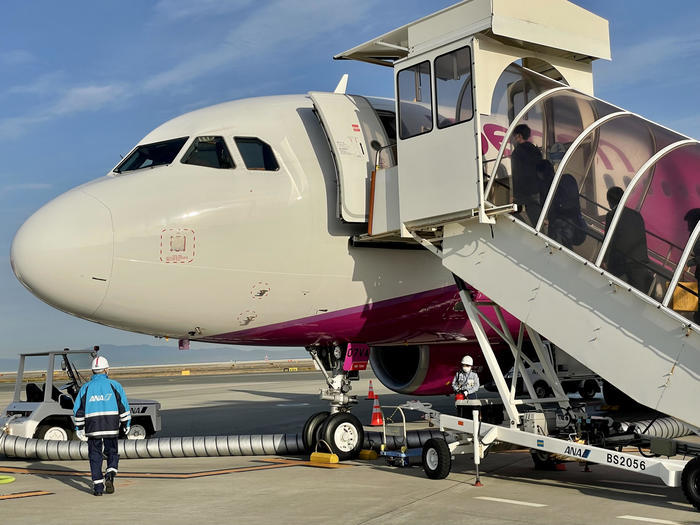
[101, 406]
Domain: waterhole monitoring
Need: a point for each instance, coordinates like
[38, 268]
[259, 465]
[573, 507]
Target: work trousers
[95, 456]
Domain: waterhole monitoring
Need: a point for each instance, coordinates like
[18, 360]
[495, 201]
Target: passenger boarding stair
[466, 78]
[625, 330]
[618, 333]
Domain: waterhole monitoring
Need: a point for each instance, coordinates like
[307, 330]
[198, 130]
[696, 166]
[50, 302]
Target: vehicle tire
[137, 432]
[542, 389]
[690, 482]
[345, 435]
[53, 433]
[312, 428]
[437, 458]
[588, 389]
[542, 460]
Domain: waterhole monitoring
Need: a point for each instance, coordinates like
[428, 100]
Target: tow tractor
[42, 410]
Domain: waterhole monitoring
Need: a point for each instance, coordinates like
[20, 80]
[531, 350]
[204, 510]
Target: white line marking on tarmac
[648, 520]
[635, 483]
[292, 405]
[512, 501]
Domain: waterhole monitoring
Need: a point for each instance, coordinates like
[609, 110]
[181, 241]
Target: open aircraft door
[355, 134]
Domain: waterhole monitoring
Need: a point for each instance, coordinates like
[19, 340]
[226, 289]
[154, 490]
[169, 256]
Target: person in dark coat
[627, 254]
[525, 184]
[565, 210]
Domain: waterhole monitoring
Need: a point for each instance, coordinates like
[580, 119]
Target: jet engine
[426, 370]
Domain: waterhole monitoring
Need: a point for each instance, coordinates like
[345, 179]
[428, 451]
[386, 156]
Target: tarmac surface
[290, 490]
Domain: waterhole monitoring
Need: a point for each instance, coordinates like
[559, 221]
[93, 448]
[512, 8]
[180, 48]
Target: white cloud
[70, 101]
[272, 28]
[87, 98]
[44, 84]
[15, 57]
[659, 61]
[13, 127]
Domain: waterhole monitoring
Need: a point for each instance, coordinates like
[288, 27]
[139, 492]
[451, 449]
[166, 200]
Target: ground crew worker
[466, 381]
[101, 408]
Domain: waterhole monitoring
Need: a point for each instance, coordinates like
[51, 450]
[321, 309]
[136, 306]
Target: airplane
[220, 226]
[246, 223]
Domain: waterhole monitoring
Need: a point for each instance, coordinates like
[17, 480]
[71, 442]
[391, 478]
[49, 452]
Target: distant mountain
[139, 355]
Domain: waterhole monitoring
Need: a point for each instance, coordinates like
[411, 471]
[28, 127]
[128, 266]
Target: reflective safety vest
[467, 382]
[101, 406]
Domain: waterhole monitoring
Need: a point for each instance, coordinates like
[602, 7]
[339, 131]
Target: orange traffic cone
[377, 417]
[371, 394]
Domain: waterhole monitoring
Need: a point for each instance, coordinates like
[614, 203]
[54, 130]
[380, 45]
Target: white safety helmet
[99, 363]
[467, 360]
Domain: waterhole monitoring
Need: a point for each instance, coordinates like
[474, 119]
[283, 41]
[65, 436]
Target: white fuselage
[200, 253]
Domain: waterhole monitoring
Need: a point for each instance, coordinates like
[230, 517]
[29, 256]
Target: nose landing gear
[340, 430]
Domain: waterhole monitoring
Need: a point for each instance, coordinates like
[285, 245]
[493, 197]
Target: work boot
[109, 484]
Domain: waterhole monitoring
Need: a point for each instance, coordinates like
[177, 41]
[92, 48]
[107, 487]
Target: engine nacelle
[426, 370]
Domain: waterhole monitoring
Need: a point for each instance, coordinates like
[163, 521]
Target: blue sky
[81, 82]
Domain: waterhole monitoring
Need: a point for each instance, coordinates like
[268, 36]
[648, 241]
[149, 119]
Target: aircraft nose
[63, 253]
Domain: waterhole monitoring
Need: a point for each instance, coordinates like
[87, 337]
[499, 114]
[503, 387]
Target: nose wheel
[345, 435]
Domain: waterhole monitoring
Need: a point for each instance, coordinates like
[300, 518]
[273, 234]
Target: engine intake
[428, 369]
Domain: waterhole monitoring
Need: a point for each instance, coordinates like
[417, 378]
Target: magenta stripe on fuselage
[426, 317]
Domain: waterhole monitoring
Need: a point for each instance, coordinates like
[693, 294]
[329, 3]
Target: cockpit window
[210, 152]
[256, 154]
[150, 155]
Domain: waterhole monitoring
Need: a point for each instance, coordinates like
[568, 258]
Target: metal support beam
[491, 361]
[550, 373]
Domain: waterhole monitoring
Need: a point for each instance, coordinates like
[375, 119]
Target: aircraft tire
[436, 458]
[345, 435]
[311, 432]
[690, 482]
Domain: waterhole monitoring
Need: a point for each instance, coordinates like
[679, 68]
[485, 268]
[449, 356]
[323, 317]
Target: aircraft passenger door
[355, 134]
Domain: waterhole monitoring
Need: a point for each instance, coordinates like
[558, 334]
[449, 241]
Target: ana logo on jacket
[100, 397]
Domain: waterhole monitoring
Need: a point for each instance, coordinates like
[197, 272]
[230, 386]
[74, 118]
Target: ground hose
[187, 447]
[663, 427]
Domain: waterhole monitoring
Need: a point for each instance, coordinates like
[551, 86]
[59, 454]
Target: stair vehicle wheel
[345, 435]
[437, 458]
[312, 428]
[690, 482]
[543, 460]
[588, 389]
[137, 432]
[542, 389]
[53, 433]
